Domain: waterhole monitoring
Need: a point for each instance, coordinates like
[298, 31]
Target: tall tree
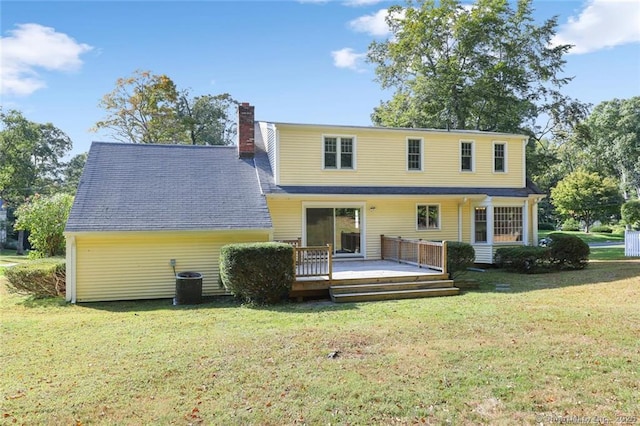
[587, 197]
[611, 137]
[72, 172]
[208, 119]
[143, 109]
[149, 108]
[31, 159]
[486, 67]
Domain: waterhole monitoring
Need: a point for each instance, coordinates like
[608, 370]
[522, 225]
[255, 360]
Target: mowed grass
[560, 344]
[591, 237]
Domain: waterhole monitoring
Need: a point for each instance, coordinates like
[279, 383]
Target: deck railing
[313, 261]
[424, 254]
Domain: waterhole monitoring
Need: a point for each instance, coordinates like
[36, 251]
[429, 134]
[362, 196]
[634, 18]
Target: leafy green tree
[610, 136]
[31, 159]
[45, 219]
[587, 197]
[72, 172]
[485, 67]
[208, 119]
[630, 212]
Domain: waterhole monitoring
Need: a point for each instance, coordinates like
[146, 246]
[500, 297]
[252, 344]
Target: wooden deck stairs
[391, 288]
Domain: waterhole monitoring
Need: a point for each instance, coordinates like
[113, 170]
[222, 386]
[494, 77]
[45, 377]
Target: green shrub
[571, 225]
[546, 227]
[524, 259]
[603, 229]
[460, 256]
[40, 278]
[568, 251]
[257, 273]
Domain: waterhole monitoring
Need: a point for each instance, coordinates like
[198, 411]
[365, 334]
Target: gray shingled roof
[139, 187]
[269, 187]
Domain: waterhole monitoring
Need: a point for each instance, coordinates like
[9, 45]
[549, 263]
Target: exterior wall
[127, 266]
[392, 216]
[300, 157]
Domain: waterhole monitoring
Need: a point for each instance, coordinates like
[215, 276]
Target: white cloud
[31, 47]
[347, 58]
[373, 24]
[602, 24]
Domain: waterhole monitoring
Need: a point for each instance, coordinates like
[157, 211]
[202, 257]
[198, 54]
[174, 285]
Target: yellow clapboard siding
[393, 216]
[381, 158]
[126, 266]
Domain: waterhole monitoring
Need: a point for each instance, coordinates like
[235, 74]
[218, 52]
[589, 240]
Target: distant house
[139, 206]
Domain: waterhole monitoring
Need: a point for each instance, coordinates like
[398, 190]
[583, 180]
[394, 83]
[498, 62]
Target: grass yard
[9, 257]
[591, 237]
[557, 345]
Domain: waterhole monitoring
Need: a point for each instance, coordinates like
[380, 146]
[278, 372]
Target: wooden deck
[364, 272]
[408, 269]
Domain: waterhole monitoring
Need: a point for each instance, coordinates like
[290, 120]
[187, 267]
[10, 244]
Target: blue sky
[296, 61]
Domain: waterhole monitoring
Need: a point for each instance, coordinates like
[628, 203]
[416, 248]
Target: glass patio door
[339, 226]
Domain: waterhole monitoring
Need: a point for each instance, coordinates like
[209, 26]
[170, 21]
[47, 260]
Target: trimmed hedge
[525, 259]
[546, 227]
[460, 256]
[571, 225]
[602, 229]
[257, 273]
[40, 278]
[568, 251]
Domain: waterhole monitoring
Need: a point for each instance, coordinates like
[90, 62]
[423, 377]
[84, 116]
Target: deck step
[393, 295]
[391, 286]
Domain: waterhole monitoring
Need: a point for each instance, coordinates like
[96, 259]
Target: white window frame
[427, 205]
[473, 156]
[421, 153]
[522, 224]
[486, 224]
[504, 144]
[339, 139]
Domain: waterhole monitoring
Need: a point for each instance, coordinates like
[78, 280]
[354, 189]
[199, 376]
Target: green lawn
[9, 256]
[591, 237]
[561, 344]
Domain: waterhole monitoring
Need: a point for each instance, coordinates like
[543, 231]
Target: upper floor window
[414, 154]
[428, 216]
[499, 157]
[466, 156]
[338, 152]
[507, 224]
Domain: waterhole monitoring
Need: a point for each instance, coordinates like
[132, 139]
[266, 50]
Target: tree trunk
[20, 247]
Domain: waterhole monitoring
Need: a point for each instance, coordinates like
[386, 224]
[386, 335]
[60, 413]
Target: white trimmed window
[339, 152]
[507, 224]
[480, 224]
[414, 155]
[466, 156]
[499, 157]
[427, 216]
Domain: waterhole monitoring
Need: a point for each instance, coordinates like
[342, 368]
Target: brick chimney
[246, 132]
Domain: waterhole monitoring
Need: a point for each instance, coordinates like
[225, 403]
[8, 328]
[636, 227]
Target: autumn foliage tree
[149, 108]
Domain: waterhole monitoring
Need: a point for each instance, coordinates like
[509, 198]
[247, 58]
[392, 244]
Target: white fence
[632, 243]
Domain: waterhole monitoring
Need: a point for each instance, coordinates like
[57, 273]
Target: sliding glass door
[339, 226]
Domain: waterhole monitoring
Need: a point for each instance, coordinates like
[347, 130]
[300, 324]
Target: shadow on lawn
[499, 281]
[213, 302]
